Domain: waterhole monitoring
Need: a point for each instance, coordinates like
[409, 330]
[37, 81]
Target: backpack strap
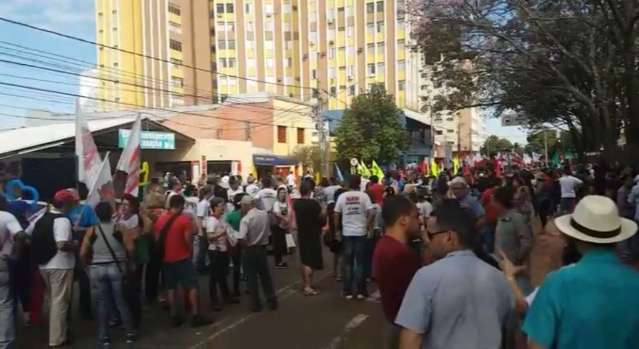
[106, 241]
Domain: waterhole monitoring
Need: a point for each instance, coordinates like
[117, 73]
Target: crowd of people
[450, 255]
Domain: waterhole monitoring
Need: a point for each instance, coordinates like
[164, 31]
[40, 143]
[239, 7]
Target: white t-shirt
[230, 193]
[252, 189]
[329, 192]
[130, 223]
[568, 184]
[203, 208]
[9, 227]
[355, 207]
[214, 226]
[267, 196]
[61, 232]
[290, 180]
[425, 209]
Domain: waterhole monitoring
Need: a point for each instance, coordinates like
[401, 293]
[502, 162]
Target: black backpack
[43, 245]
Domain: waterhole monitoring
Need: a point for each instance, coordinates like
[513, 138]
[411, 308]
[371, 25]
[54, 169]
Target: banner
[86, 152]
[338, 173]
[102, 187]
[129, 162]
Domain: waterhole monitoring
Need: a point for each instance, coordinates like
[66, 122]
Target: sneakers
[199, 321]
[348, 296]
[131, 338]
[361, 297]
[105, 343]
[281, 265]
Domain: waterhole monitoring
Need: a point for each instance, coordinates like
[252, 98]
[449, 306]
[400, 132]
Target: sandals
[310, 292]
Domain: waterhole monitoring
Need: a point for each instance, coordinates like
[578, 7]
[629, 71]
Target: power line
[111, 71]
[86, 41]
[134, 105]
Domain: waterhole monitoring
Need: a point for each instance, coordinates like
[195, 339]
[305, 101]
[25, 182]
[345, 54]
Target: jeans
[219, 270]
[567, 205]
[256, 266]
[7, 311]
[237, 268]
[354, 264]
[106, 280]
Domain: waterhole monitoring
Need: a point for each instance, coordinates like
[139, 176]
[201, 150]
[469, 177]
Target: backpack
[43, 245]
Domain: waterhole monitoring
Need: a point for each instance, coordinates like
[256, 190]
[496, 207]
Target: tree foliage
[494, 144]
[372, 128]
[309, 156]
[536, 142]
[569, 63]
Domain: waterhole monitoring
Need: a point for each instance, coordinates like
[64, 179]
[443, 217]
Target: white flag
[102, 187]
[87, 153]
[130, 159]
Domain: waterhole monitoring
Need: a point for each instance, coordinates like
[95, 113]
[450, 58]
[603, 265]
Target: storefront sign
[150, 140]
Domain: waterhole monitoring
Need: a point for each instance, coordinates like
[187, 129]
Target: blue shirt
[457, 302]
[593, 304]
[473, 204]
[83, 216]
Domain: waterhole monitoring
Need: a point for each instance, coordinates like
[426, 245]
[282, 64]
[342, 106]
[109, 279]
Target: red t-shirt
[394, 265]
[487, 201]
[175, 246]
[377, 191]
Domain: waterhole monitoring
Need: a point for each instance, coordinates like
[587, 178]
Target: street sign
[511, 118]
[354, 162]
[149, 139]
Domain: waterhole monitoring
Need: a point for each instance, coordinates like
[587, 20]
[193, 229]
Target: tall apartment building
[286, 47]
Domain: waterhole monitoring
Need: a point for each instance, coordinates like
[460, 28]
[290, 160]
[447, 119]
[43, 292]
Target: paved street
[323, 321]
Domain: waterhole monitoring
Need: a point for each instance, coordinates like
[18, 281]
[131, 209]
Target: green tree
[565, 142]
[494, 144]
[372, 129]
[571, 64]
[309, 156]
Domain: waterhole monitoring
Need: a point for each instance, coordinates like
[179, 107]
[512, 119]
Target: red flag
[130, 159]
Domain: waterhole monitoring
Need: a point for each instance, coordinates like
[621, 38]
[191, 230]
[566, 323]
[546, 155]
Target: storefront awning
[273, 160]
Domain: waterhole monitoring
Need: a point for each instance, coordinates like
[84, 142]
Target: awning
[273, 160]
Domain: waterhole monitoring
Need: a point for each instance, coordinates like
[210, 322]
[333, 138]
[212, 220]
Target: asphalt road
[325, 321]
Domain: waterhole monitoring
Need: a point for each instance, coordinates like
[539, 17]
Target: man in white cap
[594, 303]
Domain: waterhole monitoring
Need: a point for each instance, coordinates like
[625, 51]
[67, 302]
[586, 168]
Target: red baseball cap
[63, 197]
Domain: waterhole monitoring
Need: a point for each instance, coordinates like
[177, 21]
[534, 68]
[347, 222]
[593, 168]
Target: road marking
[350, 326]
[282, 293]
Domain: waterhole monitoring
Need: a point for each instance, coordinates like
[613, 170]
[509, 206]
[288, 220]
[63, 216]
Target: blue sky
[77, 18]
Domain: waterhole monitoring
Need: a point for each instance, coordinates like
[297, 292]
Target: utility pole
[546, 147]
[320, 126]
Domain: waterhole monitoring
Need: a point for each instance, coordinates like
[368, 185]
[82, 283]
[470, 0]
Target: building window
[401, 65]
[248, 8]
[176, 61]
[231, 62]
[370, 7]
[380, 26]
[450, 131]
[439, 132]
[174, 9]
[370, 28]
[268, 35]
[220, 8]
[380, 6]
[281, 134]
[314, 73]
[231, 44]
[401, 85]
[221, 44]
[229, 8]
[300, 136]
[370, 49]
[250, 36]
[371, 68]
[351, 90]
[175, 45]
[380, 68]
[223, 62]
[380, 46]
[331, 52]
[333, 91]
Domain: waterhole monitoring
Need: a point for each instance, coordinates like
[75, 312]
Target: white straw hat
[596, 220]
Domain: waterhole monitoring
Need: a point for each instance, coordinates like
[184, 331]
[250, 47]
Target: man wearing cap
[594, 303]
[56, 266]
[253, 236]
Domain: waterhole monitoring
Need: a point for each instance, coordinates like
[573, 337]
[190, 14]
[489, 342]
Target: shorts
[179, 273]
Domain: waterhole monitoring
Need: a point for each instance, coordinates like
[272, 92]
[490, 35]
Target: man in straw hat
[594, 303]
